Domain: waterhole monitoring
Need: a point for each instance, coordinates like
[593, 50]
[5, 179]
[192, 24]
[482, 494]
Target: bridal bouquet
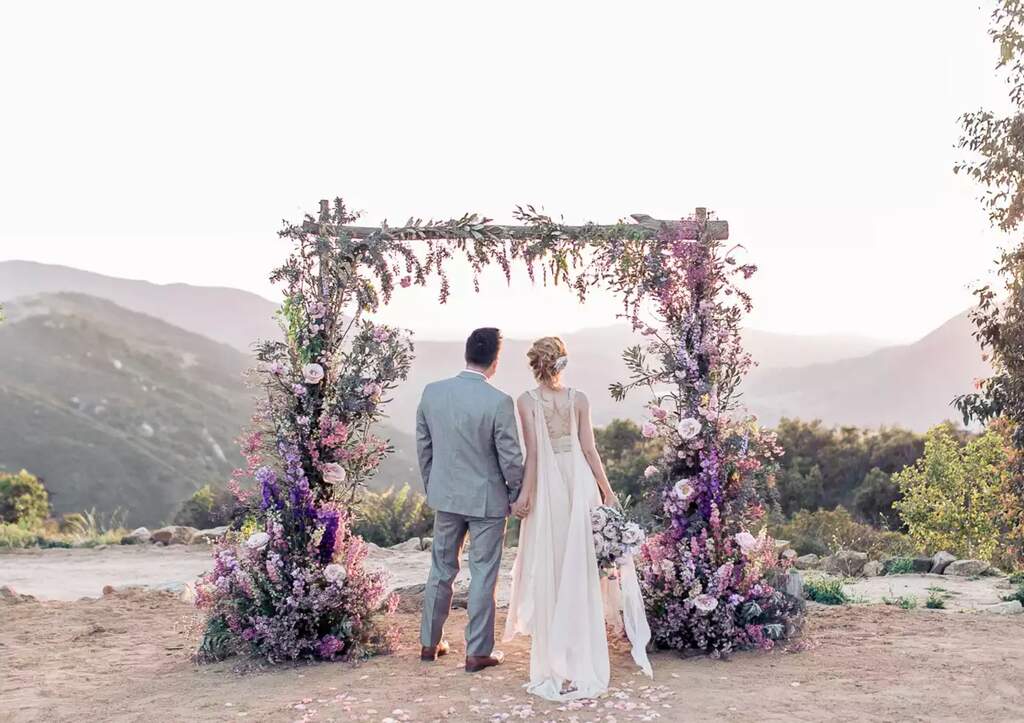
[614, 538]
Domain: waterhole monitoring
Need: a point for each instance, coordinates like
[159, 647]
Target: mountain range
[127, 393]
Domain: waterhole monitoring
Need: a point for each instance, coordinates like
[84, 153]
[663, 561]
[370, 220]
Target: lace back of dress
[558, 418]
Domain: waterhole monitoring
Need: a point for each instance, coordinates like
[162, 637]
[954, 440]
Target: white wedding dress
[558, 595]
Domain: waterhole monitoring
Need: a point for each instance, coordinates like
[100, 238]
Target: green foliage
[217, 642]
[626, 454]
[951, 497]
[995, 160]
[1017, 594]
[23, 499]
[935, 601]
[826, 590]
[17, 536]
[390, 517]
[824, 467]
[1017, 578]
[207, 507]
[826, 531]
[899, 566]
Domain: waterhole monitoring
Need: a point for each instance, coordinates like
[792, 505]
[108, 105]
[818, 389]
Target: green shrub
[899, 566]
[1017, 594]
[12, 535]
[388, 518]
[826, 590]
[23, 499]
[952, 496]
[208, 507]
[826, 531]
[935, 601]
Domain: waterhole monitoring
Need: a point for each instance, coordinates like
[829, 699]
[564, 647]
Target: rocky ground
[127, 656]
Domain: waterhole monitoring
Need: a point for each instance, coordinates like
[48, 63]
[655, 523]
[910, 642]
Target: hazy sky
[167, 141]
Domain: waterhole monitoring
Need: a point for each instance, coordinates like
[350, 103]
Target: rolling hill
[910, 385]
[231, 316]
[114, 408]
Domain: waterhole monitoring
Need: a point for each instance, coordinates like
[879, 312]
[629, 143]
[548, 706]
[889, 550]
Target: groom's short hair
[482, 346]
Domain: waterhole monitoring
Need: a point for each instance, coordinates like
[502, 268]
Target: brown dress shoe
[476, 663]
[431, 654]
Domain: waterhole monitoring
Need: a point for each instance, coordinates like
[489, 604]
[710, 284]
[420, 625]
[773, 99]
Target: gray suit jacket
[468, 447]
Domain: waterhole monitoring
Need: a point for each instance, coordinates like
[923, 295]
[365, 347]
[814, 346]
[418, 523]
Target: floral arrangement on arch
[291, 583]
[706, 578]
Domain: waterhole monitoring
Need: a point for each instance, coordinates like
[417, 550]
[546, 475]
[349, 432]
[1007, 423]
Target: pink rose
[648, 430]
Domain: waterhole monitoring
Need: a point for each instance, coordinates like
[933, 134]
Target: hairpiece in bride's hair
[560, 363]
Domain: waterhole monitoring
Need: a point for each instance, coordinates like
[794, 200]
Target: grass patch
[80, 529]
[899, 566]
[904, 602]
[826, 590]
[1017, 595]
[935, 601]
[1017, 578]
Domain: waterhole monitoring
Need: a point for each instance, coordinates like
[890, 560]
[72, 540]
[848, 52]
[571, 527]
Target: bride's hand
[612, 500]
[521, 507]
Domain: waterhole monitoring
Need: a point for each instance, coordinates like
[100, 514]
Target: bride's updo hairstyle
[547, 358]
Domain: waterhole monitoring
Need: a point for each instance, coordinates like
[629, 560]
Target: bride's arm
[521, 507]
[589, 445]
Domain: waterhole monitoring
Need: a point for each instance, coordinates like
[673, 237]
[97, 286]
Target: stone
[428, 543]
[174, 535]
[138, 536]
[1011, 607]
[789, 554]
[207, 537]
[873, 568]
[940, 561]
[807, 562]
[794, 585]
[922, 564]
[9, 595]
[966, 568]
[849, 563]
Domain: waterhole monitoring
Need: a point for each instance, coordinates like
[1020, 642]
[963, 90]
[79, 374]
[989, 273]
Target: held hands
[521, 507]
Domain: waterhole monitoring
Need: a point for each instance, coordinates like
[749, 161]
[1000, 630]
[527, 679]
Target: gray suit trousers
[487, 535]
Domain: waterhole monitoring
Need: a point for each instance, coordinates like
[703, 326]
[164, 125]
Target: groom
[472, 467]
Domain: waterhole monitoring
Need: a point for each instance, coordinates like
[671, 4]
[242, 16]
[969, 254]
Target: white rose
[335, 572]
[333, 473]
[598, 519]
[651, 471]
[688, 428]
[313, 373]
[683, 489]
[257, 541]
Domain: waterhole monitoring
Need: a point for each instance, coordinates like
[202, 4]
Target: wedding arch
[291, 582]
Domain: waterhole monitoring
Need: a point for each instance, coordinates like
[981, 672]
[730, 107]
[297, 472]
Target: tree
[994, 146]
[875, 499]
[23, 499]
[626, 454]
[952, 497]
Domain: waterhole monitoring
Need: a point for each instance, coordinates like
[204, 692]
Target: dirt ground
[126, 657]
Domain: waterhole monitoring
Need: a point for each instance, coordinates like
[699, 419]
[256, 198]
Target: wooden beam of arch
[687, 228]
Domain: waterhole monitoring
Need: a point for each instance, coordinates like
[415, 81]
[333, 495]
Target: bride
[558, 594]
